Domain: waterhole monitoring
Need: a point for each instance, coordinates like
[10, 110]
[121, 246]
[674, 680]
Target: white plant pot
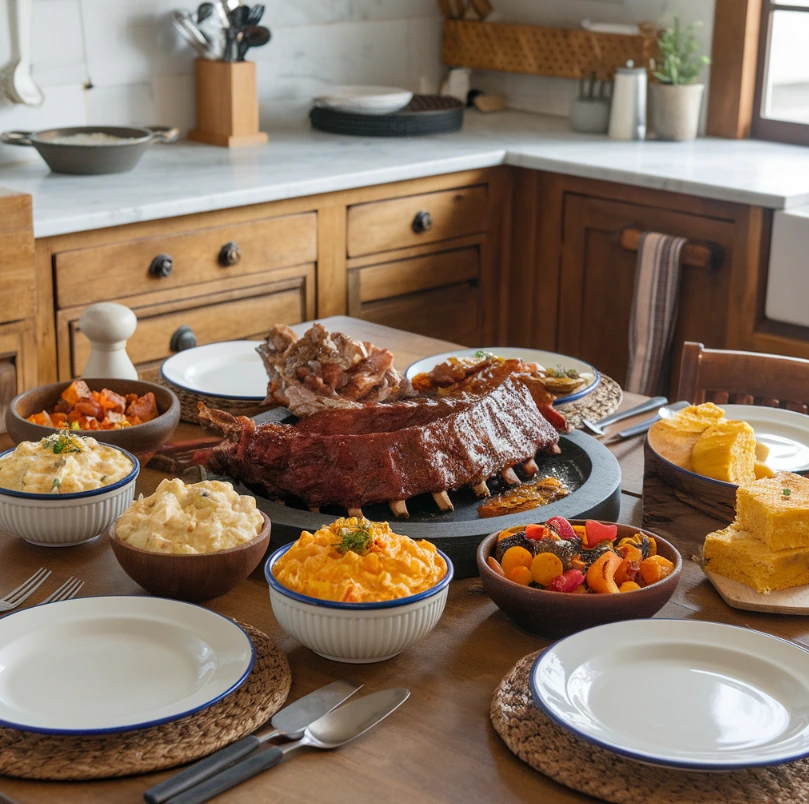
[675, 110]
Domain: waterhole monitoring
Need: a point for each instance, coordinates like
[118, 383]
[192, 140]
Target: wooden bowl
[193, 578]
[140, 439]
[557, 614]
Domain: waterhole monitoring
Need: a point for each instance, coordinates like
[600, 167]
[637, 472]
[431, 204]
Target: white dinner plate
[785, 432]
[105, 664]
[545, 359]
[680, 693]
[365, 99]
[231, 370]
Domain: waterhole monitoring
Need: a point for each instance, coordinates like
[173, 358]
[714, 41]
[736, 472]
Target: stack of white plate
[364, 99]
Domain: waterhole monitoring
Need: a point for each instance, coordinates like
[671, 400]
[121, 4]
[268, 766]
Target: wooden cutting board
[741, 596]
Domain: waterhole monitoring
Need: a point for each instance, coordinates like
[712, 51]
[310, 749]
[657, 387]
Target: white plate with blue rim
[547, 360]
[704, 696]
[98, 665]
[229, 370]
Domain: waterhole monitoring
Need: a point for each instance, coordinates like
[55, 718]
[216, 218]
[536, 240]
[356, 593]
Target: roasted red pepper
[568, 581]
[562, 527]
[536, 532]
[596, 532]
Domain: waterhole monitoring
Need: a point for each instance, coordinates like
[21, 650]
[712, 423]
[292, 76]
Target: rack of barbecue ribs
[377, 452]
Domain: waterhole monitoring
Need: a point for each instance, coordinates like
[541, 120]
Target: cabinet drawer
[416, 219]
[17, 283]
[118, 270]
[451, 313]
[227, 320]
[409, 276]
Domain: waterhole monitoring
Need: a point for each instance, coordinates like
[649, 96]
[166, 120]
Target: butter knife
[290, 722]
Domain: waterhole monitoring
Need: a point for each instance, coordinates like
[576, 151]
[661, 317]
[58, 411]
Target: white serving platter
[785, 432]
[705, 696]
[545, 359]
[365, 99]
[230, 369]
[108, 664]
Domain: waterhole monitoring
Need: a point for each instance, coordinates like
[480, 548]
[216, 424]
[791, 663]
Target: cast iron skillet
[83, 159]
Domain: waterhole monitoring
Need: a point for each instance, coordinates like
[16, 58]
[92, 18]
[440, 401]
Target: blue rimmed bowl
[64, 520]
[358, 633]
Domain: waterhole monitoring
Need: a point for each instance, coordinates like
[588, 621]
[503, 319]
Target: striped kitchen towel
[654, 312]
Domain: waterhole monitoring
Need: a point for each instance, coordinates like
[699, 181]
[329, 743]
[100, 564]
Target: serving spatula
[331, 731]
[289, 722]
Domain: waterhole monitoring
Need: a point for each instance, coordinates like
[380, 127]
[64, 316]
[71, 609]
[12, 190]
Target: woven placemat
[604, 399]
[27, 755]
[189, 408]
[556, 753]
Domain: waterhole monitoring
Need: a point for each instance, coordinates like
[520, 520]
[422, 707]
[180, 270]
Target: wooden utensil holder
[227, 104]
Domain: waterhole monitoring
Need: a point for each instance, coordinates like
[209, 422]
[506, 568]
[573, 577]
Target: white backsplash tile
[131, 104]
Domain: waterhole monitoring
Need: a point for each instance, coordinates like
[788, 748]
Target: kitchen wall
[120, 61]
[554, 95]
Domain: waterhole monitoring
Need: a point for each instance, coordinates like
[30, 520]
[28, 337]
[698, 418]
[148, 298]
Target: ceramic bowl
[192, 578]
[557, 614]
[358, 633]
[139, 439]
[63, 520]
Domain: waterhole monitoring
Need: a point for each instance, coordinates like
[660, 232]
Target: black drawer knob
[161, 266]
[182, 339]
[229, 254]
[423, 222]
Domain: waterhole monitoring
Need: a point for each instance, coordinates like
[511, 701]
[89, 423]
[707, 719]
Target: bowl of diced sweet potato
[136, 415]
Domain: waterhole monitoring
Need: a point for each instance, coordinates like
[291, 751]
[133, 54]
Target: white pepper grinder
[628, 112]
[108, 326]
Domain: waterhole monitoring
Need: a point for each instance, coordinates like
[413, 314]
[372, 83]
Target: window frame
[765, 128]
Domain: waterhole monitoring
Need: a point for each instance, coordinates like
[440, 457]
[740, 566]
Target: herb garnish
[56, 483]
[480, 354]
[358, 540]
[786, 492]
[62, 442]
[560, 372]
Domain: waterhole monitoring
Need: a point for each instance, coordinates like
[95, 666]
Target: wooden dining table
[440, 746]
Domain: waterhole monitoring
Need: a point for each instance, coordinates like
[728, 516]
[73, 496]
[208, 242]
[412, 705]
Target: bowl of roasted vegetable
[562, 576]
[135, 415]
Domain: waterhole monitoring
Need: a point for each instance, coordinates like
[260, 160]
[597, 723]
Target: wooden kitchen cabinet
[18, 359]
[574, 288]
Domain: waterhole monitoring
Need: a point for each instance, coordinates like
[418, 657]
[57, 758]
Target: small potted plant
[676, 100]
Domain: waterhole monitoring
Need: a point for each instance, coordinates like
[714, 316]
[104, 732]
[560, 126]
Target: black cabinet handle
[423, 222]
[229, 254]
[182, 339]
[161, 266]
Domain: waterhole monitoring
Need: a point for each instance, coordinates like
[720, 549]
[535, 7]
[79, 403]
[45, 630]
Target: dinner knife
[638, 429]
[330, 731]
[289, 722]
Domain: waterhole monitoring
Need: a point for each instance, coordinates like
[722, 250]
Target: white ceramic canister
[628, 114]
[108, 326]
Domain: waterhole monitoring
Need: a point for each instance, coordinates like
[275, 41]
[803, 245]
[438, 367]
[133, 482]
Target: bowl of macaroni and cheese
[190, 541]
[355, 591]
[65, 489]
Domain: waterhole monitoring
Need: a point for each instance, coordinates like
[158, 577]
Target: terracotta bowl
[140, 439]
[557, 614]
[193, 578]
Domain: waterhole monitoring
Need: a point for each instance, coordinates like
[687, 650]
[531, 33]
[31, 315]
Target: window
[781, 110]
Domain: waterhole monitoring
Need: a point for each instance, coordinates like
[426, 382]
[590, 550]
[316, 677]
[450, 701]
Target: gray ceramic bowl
[140, 439]
[557, 614]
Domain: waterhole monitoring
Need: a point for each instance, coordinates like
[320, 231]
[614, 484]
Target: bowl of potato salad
[64, 489]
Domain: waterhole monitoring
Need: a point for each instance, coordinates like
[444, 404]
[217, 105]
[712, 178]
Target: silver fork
[24, 590]
[70, 588]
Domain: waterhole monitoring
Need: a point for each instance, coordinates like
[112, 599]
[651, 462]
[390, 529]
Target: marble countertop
[185, 178]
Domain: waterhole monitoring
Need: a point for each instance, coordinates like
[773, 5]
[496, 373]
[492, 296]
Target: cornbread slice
[675, 438]
[726, 451]
[741, 556]
[780, 520]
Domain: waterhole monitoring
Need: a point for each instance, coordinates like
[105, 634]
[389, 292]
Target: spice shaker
[628, 114]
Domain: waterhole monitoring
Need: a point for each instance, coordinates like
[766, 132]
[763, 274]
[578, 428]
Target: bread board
[740, 596]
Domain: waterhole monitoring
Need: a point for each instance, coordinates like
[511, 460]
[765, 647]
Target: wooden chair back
[743, 378]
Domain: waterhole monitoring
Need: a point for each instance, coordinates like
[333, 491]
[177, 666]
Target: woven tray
[27, 755]
[605, 399]
[189, 409]
[551, 750]
[425, 114]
